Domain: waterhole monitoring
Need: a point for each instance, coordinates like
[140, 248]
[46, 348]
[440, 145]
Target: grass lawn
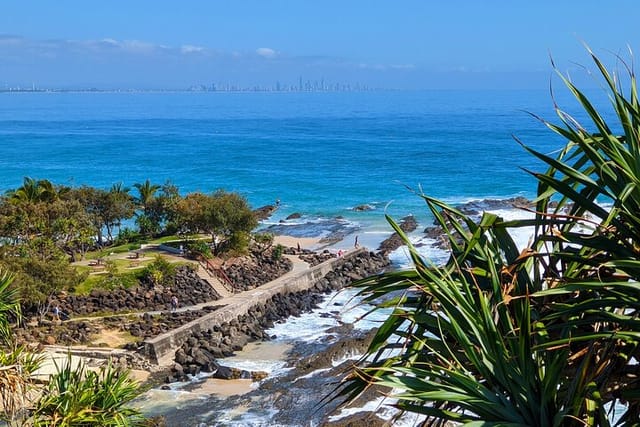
[127, 271]
[129, 247]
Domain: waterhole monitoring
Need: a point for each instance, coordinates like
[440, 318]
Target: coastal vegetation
[74, 395]
[546, 335]
[46, 228]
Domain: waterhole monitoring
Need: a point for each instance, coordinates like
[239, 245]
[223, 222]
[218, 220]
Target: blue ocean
[320, 154]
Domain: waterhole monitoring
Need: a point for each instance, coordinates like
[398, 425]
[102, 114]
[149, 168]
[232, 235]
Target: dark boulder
[407, 225]
[363, 208]
[264, 212]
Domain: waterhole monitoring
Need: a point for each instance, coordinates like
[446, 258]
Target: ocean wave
[326, 228]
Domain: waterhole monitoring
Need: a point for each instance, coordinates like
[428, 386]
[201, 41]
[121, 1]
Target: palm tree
[146, 223]
[120, 189]
[146, 192]
[546, 336]
[33, 191]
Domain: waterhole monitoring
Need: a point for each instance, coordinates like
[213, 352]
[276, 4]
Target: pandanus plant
[545, 335]
[77, 396]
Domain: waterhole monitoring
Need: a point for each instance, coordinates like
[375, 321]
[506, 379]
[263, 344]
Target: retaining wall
[161, 349]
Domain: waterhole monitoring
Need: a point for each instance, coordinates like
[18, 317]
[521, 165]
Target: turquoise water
[321, 154]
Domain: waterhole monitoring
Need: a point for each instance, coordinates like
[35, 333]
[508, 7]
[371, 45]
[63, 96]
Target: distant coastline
[308, 87]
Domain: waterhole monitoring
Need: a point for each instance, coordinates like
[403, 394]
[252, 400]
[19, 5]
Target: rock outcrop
[187, 287]
[260, 268]
[264, 212]
[202, 347]
[393, 242]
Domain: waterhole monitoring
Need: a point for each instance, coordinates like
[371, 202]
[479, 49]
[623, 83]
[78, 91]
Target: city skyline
[415, 45]
[277, 86]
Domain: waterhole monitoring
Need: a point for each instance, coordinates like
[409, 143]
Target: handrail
[219, 274]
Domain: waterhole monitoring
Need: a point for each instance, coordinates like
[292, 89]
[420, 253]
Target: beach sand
[260, 352]
[292, 242]
[263, 353]
[224, 388]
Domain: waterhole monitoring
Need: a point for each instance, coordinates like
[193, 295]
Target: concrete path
[298, 267]
[227, 296]
[302, 277]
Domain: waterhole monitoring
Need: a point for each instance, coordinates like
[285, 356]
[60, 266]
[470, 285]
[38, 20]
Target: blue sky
[402, 44]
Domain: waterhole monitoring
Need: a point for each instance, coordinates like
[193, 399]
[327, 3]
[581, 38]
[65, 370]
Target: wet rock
[359, 419]
[343, 348]
[223, 373]
[258, 375]
[363, 208]
[393, 242]
[476, 207]
[264, 212]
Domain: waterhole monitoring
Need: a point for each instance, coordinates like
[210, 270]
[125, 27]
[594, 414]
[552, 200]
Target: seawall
[161, 349]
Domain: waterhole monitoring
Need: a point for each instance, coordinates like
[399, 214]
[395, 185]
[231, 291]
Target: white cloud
[266, 52]
[137, 46]
[402, 66]
[110, 42]
[186, 49]
[11, 40]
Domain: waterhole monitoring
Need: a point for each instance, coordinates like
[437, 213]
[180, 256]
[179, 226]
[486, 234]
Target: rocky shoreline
[200, 352]
[188, 287]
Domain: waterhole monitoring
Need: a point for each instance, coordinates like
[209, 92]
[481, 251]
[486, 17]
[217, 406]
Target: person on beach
[174, 303]
[356, 244]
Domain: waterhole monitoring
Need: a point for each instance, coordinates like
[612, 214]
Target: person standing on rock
[174, 303]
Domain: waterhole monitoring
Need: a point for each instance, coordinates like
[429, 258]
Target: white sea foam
[383, 409]
[271, 367]
[312, 374]
[249, 418]
[426, 246]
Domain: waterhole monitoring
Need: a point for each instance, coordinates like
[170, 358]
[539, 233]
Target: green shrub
[277, 252]
[546, 335]
[200, 248]
[126, 235]
[76, 396]
[160, 272]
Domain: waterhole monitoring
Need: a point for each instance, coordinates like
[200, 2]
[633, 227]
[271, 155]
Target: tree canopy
[44, 227]
[227, 217]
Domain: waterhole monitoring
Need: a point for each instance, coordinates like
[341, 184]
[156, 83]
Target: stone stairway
[215, 282]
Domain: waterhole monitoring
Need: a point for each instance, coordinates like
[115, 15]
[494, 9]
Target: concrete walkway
[298, 267]
[302, 277]
[227, 297]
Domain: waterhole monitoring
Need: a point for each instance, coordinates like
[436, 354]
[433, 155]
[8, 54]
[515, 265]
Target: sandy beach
[310, 243]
